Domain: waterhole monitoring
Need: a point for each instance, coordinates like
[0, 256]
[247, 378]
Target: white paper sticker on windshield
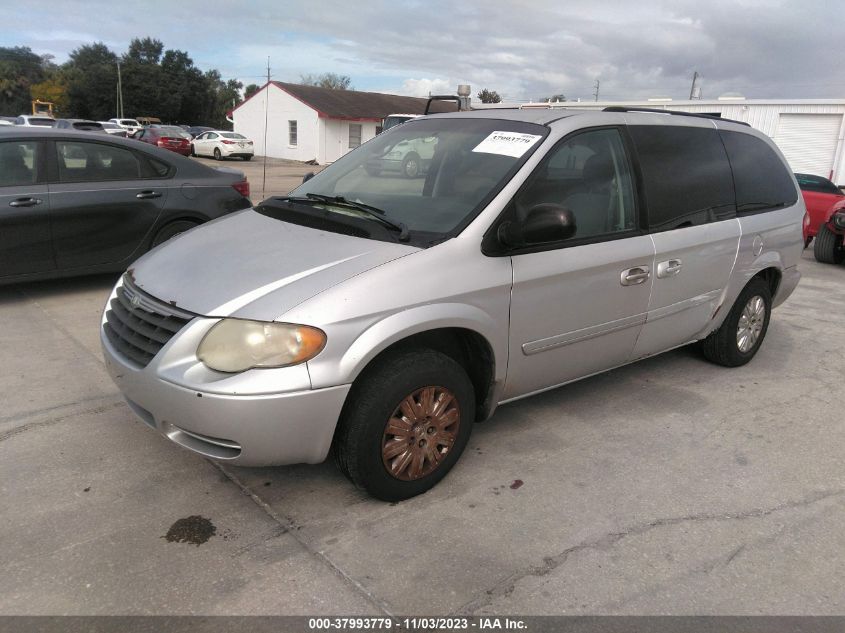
[507, 143]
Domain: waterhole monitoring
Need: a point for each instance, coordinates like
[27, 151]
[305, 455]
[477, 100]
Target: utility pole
[266, 112]
[692, 90]
[596, 93]
[119, 94]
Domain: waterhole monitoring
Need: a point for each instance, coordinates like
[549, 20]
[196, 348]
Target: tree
[331, 81]
[54, 90]
[145, 51]
[554, 98]
[489, 96]
[250, 90]
[20, 68]
[91, 75]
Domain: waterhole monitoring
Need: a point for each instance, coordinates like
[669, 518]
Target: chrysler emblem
[135, 301]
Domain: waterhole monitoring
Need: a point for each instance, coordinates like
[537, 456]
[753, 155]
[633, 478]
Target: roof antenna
[266, 109]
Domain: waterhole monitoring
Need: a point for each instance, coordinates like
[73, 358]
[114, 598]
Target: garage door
[809, 141]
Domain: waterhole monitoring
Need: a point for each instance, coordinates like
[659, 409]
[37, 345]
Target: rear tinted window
[87, 162]
[808, 182]
[41, 122]
[761, 179]
[17, 163]
[686, 175]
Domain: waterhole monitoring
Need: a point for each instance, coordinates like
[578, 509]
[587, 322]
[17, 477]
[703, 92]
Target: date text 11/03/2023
[416, 623]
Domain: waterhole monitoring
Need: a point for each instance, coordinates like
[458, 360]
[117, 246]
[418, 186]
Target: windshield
[431, 175]
[395, 119]
[808, 182]
[131, 122]
[173, 131]
[43, 122]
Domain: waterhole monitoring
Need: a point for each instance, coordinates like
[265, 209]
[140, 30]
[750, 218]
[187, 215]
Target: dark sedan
[74, 203]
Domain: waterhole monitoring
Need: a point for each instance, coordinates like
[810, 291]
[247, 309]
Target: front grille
[138, 325]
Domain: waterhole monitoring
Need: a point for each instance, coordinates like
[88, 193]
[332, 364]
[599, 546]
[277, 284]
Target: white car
[35, 120]
[114, 129]
[130, 125]
[222, 144]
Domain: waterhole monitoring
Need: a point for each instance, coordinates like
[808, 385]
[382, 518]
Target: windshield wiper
[370, 211]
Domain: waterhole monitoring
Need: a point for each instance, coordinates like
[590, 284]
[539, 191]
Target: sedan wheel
[217, 155]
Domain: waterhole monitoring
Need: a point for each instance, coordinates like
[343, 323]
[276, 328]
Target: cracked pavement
[670, 486]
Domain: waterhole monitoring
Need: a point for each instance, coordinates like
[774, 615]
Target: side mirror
[308, 176]
[546, 222]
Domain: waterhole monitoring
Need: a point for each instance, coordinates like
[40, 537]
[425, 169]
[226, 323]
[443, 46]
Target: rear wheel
[248, 157]
[828, 248]
[740, 336]
[217, 154]
[171, 230]
[193, 150]
[405, 424]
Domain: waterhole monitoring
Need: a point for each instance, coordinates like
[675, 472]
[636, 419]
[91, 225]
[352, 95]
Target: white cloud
[425, 87]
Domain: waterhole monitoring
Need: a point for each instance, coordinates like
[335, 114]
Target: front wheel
[740, 336]
[405, 424]
[828, 248]
[248, 157]
[217, 154]
[411, 165]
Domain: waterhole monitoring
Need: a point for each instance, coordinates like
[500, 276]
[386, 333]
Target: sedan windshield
[431, 175]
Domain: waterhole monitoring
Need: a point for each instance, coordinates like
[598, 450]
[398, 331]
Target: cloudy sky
[522, 49]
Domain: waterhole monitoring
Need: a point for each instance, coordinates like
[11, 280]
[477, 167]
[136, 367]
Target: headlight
[235, 345]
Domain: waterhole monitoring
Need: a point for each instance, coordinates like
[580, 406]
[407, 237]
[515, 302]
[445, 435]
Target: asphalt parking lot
[671, 486]
[276, 178]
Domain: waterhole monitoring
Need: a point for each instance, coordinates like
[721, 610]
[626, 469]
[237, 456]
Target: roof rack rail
[699, 115]
[431, 98]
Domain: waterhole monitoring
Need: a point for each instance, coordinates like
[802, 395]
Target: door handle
[25, 202]
[636, 275]
[668, 268]
[144, 195]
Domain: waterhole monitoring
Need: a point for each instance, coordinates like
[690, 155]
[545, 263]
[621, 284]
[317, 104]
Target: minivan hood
[251, 266]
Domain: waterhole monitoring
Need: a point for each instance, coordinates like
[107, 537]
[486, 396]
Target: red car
[165, 139]
[820, 196]
[829, 248]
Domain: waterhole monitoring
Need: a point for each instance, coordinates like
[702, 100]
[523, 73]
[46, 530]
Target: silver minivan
[379, 316]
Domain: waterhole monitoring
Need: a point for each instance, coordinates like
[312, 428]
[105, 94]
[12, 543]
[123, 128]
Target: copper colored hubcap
[420, 433]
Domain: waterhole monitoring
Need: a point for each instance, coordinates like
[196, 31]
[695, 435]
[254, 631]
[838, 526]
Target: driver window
[588, 174]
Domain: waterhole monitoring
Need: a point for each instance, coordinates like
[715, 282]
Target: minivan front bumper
[244, 430]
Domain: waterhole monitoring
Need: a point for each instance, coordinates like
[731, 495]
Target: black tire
[171, 230]
[722, 346]
[217, 154]
[828, 248]
[248, 157]
[362, 433]
[193, 151]
[411, 167]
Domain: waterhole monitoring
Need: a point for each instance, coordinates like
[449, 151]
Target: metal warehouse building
[809, 132]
